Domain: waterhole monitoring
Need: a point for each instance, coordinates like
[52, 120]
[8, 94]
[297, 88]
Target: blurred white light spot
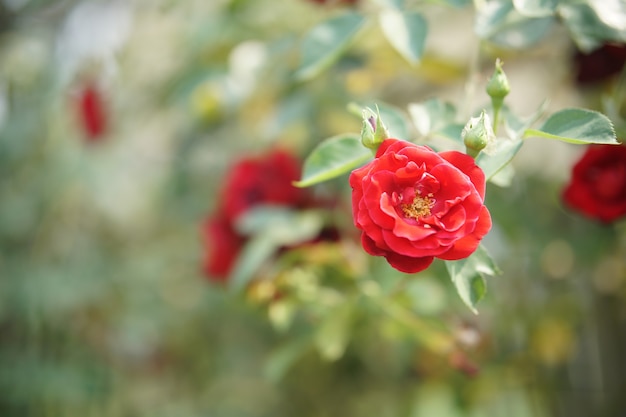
[93, 30]
[247, 58]
[611, 12]
[245, 61]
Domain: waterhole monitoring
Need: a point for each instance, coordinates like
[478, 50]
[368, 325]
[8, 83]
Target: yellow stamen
[420, 207]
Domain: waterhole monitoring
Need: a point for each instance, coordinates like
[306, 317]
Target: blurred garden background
[120, 124]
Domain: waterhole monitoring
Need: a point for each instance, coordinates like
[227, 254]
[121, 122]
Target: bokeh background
[118, 121]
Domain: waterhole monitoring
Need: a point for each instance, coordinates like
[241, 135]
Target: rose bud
[478, 134]
[498, 86]
[374, 131]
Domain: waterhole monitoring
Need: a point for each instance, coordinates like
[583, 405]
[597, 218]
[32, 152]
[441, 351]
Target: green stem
[471, 152]
[496, 120]
[496, 104]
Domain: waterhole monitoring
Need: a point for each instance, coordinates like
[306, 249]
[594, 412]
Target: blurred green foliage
[104, 310]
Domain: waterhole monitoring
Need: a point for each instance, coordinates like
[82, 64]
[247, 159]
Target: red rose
[598, 184]
[265, 180]
[413, 204]
[92, 112]
[250, 182]
[223, 246]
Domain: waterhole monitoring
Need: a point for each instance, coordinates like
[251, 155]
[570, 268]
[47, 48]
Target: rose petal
[388, 143]
[408, 264]
[411, 232]
[370, 246]
[429, 246]
[454, 219]
[468, 166]
[422, 155]
[378, 199]
[464, 247]
[455, 187]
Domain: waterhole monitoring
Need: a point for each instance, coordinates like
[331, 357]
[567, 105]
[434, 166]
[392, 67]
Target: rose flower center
[420, 207]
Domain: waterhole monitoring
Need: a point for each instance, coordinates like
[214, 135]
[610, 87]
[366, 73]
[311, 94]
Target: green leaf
[591, 28]
[611, 13]
[432, 116]
[254, 254]
[333, 157]
[270, 228]
[500, 23]
[291, 110]
[395, 120]
[535, 8]
[451, 131]
[504, 177]
[406, 32]
[580, 126]
[325, 43]
[505, 150]
[468, 276]
[281, 225]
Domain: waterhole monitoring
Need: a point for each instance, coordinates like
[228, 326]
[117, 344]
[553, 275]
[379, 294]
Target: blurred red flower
[224, 246]
[413, 204]
[600, 64]
[597, 187]
[264, 180]
[92, 112]
[249, 182]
